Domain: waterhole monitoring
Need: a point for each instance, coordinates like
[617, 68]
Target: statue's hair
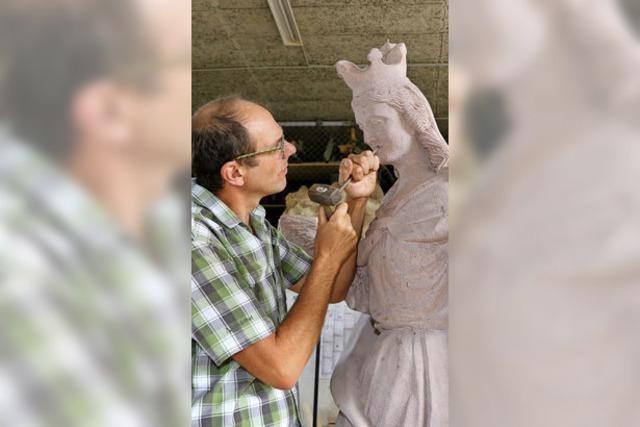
[407, 99]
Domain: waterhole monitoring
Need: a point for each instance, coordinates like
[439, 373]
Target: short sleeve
[294, 261]
[226, 316]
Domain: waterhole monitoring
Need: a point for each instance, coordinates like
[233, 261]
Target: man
[247, 351]
[94, 110]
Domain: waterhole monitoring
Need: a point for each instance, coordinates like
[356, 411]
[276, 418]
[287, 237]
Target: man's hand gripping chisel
[327, 195]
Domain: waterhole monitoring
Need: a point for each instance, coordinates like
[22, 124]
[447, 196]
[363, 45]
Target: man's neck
[125, 187]
[240, 204]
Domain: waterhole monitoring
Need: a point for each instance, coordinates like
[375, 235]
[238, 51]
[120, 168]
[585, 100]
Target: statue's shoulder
[422, 215]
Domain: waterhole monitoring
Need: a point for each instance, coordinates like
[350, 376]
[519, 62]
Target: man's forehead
[260, 123]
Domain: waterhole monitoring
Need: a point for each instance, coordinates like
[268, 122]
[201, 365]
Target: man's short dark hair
[217, 137]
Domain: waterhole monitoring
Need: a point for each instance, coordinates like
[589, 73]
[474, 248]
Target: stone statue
[394, 370]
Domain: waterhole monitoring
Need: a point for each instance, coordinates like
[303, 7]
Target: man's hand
[335, 237]
[363, 168]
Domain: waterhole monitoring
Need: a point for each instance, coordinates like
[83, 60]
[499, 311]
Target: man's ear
[100, 113]
[233, 173]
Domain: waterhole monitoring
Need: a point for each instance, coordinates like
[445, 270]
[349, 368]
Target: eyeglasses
[279, 147]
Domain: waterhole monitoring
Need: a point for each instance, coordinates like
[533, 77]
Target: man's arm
[347, 272]
[363, 169]
[348, 269]
[279, 359]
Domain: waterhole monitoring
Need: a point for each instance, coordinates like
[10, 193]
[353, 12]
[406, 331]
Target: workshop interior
[282, 54]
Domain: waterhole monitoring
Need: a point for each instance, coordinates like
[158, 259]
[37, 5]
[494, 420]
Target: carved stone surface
[394, 371]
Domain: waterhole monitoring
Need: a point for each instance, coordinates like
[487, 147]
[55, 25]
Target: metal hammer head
[325, 194]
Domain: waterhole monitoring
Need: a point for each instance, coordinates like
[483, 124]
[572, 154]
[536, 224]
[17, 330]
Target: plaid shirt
[238, 285]
[92, 331]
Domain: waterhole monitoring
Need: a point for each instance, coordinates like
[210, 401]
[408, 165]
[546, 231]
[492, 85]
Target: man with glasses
[247, 351]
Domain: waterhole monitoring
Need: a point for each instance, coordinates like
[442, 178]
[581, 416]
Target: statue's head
[390, 109]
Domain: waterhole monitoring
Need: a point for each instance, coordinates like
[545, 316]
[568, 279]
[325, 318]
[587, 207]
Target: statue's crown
[388, 65]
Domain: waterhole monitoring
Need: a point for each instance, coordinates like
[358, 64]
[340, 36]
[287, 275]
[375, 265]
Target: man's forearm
[298, 334]
[348, 270]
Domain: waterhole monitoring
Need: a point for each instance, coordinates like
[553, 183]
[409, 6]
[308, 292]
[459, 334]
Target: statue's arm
[358, 295]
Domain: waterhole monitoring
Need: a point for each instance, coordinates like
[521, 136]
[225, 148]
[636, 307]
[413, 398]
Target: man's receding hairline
[233, 107]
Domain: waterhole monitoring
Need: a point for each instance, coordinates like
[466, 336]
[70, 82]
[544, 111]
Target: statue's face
[384, 130]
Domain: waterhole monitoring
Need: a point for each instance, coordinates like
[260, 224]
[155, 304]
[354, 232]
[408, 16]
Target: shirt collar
[219, 209]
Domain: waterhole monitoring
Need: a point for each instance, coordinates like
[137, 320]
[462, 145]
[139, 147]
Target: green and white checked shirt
[238, 282]
[92, 329]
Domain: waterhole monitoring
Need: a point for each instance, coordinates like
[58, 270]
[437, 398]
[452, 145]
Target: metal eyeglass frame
[279, 147]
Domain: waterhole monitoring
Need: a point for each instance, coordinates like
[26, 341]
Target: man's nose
[290, 149]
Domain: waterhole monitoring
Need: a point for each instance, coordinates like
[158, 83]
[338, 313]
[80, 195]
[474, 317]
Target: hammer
[327, 195]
